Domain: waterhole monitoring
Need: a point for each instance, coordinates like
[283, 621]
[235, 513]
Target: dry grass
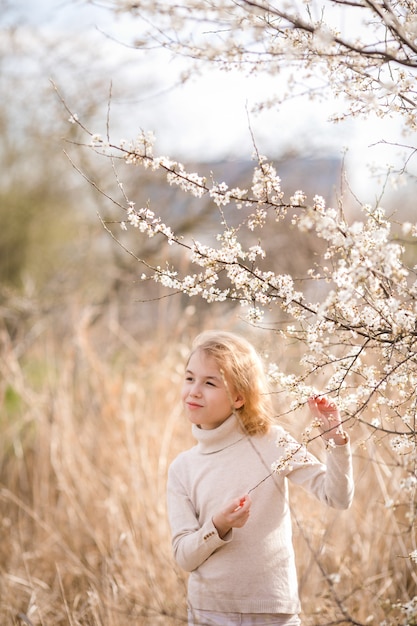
[90, 420]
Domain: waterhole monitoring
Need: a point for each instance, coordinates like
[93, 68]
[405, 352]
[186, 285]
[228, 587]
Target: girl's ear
[239, 401]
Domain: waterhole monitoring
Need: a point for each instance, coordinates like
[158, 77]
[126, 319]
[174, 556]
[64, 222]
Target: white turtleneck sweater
[252, 569]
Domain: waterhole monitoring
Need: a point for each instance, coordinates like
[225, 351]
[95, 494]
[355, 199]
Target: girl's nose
[195, 390]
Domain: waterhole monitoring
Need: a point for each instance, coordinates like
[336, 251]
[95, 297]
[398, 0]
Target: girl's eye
[210, 384]
[188, 379]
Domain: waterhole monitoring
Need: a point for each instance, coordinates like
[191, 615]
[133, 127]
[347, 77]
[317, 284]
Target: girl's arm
[192, 542]
[332, 483]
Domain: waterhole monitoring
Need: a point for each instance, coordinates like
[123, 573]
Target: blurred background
[91, 358]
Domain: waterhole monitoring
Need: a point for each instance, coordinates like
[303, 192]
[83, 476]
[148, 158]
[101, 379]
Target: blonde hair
[242, 368]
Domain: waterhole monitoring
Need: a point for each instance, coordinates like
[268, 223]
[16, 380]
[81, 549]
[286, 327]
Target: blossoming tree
[362, 330]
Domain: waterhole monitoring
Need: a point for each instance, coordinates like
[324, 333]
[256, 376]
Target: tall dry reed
[90, 420]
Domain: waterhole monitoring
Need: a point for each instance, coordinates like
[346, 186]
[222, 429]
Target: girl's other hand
[327, 415]
[234, 515]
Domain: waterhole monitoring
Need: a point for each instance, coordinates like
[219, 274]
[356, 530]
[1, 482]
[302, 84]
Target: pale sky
[207, 118]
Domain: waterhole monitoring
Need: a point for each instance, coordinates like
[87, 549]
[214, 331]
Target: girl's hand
[327, 415]
[234, 515]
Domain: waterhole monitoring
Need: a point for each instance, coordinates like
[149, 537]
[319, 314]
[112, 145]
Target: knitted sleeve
[192, 543]
[332, 483]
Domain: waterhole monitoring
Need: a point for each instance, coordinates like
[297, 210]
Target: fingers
[240, 512]
[322, 407]
[235, 515]
[322, 403]
[244, 500]
[325, 411]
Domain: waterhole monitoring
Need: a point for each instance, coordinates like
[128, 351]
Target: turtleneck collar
[217, 439]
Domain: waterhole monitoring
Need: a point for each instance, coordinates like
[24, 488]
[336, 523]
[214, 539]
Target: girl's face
[207, 401]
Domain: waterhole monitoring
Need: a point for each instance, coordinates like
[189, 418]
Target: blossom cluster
[364, 51]
[364, 325]
[361, 330]
[145, 220]
[290, 451]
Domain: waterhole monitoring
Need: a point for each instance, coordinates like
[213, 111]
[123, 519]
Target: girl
[238, 547]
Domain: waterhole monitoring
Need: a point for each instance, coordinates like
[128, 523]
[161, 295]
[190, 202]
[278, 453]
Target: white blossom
[354, 308]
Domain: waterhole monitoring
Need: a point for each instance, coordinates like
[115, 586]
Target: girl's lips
[193, 405]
